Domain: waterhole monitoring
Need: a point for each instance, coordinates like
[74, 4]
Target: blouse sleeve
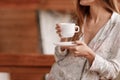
[59, 55]
[108, 68]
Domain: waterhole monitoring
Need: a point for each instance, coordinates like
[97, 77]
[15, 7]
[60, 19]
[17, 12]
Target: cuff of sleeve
[97, 64]
[62, 53]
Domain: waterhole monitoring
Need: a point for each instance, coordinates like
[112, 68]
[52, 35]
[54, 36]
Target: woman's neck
[98, 13]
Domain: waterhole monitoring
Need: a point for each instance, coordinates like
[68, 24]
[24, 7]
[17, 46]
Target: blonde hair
[81, 11]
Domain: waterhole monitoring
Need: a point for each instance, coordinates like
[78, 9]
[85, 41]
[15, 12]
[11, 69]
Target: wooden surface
[63, 5]
[37, 4]
[33, 59]
[19, 31]
[19, 4]
[26, 67]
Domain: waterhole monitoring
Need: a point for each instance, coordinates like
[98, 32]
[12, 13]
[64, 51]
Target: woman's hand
[58, 31]
[82, 50]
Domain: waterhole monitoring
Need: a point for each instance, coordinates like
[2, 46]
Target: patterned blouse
[106, 65]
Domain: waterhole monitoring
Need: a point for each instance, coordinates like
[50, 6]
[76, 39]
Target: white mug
[4, 76]
[68, 29]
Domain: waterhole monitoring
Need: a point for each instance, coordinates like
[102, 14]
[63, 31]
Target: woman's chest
[103, 47]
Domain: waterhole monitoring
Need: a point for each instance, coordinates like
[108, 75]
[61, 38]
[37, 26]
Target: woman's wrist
[90, 57]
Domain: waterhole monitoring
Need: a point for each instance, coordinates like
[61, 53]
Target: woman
[96, 53]
[118, 4]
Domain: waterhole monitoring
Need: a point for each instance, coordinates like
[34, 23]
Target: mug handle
[78, 29]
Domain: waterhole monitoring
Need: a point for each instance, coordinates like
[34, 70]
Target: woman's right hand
[58, 31]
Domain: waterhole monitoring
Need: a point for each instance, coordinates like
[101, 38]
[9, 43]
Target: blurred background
[28, 26]
[27, 34]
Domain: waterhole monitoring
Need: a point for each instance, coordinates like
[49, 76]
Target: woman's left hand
[82, 50]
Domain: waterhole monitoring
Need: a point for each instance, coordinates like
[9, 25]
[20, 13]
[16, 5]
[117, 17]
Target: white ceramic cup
[68, 29]
[4, 76]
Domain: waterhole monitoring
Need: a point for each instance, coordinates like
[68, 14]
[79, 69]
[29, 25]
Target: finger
[60, 35]
[57, 25]
[58, 32]
[69, 48]
[78, 54]
[79, 43]
[58, 28]
[72, 48]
